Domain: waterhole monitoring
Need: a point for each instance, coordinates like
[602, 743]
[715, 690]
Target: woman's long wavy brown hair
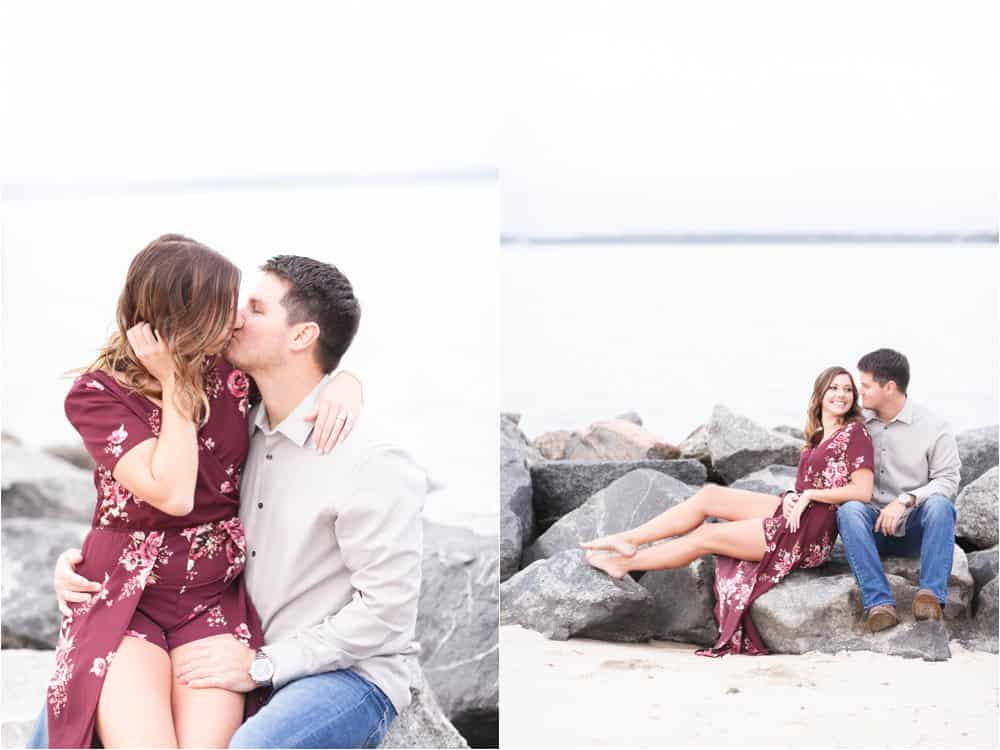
[814, 413]
[185, 291]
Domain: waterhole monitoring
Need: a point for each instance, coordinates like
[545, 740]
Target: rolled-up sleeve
[944, 468]
[378, 529]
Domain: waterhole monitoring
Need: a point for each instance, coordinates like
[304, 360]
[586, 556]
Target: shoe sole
[881, 621]
[926, 608]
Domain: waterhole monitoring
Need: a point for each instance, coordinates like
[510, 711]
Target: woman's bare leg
[134, 707]
[204, 717]
[711, 500]
[743, 540]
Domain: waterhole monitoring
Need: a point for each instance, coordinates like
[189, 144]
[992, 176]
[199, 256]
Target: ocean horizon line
[35, 190]
[752, 238]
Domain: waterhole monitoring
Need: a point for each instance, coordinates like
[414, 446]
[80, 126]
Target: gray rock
[983, 566]
[608, 440]
[30, 548]
[795, 432]
[627, 502]
[978, 451]
[76, 455]
[739, 447]
[695, 446]
[631, 416]
[809, 611]
[422, 723]
[683, 600]
[771, 480]
[560, 487]
[977, 511]
[517, 515]
[980, 633]
[563, 596]
[39, 486]
[457, 620]
[26, 674]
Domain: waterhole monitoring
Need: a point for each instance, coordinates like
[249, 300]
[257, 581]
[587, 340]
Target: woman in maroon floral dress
[165, 418]
[768, 536]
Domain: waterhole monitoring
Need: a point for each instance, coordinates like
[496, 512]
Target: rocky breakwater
[47, 506]
[574, 499]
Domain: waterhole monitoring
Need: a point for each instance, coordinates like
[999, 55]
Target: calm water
[422, 259]
[590, 331]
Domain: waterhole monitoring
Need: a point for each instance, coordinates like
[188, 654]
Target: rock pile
[548, 586]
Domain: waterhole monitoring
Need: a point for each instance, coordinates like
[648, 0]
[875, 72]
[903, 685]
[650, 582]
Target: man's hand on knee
[218, 662]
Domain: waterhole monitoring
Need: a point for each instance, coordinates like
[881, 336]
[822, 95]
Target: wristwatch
[262, 669]
[911, 501]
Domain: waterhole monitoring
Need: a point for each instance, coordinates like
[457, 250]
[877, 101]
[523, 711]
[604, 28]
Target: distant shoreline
[751, 238]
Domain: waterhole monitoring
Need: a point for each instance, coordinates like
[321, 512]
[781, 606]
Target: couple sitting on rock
[885, 476]
[178, 629]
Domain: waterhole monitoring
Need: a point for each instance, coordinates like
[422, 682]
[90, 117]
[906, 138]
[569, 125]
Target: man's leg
[40, 734]
[930, 533]
[333, 709]
[856, 522]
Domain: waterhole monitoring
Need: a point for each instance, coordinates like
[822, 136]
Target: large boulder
[517, 516]
[30, 547]
[72, 453]
[683, 602]
[36, 485]
[771, 480]
[978, 451]
[422, 723]
[795, 432]
[607, 440]
[738, 447]
[26, 673]
[695, 446]
[980, 633]
[457, 621]
[810, 611]
[977, 511]
[629, 501]
[564, 596]
[983, 566]
[560, 487]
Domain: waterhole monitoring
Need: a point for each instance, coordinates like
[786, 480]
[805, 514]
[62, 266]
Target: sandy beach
[587, 693]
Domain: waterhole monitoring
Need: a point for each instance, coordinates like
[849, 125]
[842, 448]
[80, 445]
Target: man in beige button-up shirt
[333, 541]
[912, 511]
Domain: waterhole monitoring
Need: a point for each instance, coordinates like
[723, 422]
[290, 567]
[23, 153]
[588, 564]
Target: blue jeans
[332, 709]
[930, 535]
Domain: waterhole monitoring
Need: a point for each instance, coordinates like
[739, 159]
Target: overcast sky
[770, 116]
[602, 117]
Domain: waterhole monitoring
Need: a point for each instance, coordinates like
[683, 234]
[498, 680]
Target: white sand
[587, 693]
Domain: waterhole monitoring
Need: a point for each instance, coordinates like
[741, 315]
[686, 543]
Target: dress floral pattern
[739, 582]
[165, 579]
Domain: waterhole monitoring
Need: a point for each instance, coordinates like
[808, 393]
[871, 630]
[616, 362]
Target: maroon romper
[739, 582]
[166, 579]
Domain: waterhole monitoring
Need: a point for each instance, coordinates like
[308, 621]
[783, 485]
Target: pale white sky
[768, 116]
[123, 89]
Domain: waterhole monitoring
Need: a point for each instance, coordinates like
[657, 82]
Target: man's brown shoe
[925, 606]
[882, 617]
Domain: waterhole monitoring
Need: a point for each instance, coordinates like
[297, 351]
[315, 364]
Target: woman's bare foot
[612, 564]
[612, 543]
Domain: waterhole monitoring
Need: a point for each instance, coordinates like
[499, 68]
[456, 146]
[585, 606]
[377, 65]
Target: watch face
[261, 670]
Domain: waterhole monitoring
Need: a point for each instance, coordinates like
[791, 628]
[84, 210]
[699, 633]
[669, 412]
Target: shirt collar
[294, 426]
[907, 414]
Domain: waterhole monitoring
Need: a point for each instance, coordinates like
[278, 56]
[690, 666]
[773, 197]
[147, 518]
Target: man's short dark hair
[885, 365]
[321, 294]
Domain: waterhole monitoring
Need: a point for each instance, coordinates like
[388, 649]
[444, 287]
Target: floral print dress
[166, 579]
[739, 582]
